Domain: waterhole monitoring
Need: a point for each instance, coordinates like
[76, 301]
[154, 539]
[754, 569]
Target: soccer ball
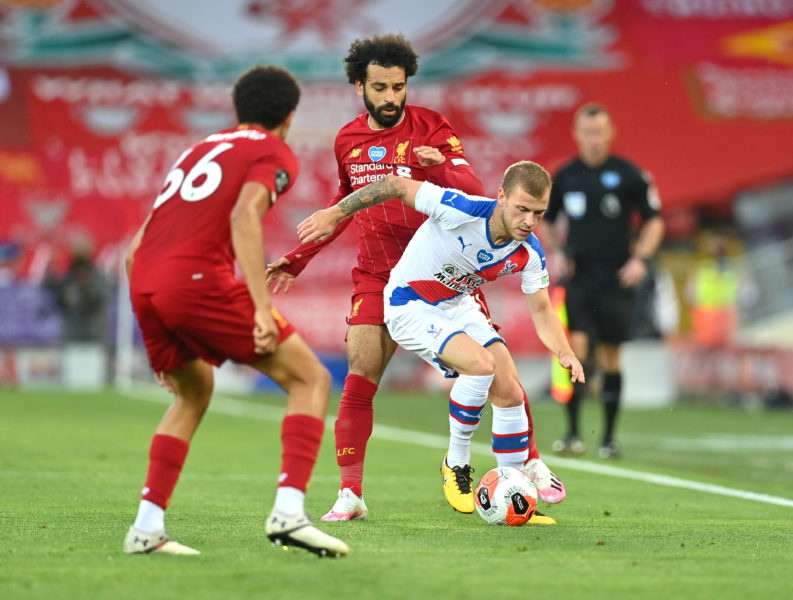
[506, 496]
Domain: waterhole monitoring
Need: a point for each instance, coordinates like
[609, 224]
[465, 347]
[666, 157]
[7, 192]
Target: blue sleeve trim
[461, 202]
[537, 247]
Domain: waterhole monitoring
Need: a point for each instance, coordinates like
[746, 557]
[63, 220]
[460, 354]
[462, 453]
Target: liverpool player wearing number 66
[428, 304]
[194, 313]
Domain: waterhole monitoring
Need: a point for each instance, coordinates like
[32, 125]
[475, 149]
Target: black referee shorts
[600, 307]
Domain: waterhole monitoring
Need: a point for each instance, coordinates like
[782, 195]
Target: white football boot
[142, 542]
[297, 530]
[550, 488]
[348, 507]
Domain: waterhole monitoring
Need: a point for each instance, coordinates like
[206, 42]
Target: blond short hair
[527, 175]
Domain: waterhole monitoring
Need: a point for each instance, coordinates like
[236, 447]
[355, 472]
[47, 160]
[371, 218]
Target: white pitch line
[243, 408]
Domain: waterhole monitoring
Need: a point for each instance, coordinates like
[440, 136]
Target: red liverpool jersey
[187, 242]
[364, 154]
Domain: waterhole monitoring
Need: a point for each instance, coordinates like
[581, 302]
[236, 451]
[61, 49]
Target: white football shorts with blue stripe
[425, 329]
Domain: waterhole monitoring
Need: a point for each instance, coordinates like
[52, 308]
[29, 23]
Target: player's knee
[482, 364]
[319, 377]
[368, 368]
[506, 394]
[193, 401]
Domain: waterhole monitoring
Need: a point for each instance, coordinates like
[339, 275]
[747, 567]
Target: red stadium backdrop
[97, 98]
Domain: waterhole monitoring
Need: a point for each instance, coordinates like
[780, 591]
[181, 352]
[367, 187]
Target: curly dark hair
[265, 95]
[388, 50]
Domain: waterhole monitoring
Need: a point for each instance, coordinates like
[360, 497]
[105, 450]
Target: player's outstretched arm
[298, 258]
[321, 224]
[551, 333]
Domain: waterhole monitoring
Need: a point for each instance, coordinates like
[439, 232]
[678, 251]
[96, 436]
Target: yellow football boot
[540, 519]
[457, 487]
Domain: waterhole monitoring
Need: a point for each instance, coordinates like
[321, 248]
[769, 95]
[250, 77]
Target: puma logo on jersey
[462, 243]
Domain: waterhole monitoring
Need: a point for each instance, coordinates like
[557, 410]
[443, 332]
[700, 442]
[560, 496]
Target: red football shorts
[367, 300]
[180, 325]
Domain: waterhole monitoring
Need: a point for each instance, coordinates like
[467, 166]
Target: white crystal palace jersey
[452, 253]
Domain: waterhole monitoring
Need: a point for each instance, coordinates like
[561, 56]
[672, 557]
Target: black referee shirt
[599, 204]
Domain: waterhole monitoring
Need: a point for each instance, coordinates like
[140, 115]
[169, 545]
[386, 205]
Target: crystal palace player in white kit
[467, 241]
[390, 138]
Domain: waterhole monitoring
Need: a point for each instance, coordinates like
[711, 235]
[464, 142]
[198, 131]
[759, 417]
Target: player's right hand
[429, 156]
[265, 332]
[316, 227]
[275, 274]
[569, 361]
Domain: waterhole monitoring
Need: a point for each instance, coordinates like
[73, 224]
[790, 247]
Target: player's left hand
[278, 278]
[569, 361]
[316, 227]
[429, 156]
[162, 379]
[632, 272]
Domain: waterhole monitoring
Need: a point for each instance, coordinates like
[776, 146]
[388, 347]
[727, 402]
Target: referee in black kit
[599, 192]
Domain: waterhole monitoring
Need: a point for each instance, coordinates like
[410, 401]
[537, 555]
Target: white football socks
[289, 500]
[510, 436]
[467, 400]
[150, 517]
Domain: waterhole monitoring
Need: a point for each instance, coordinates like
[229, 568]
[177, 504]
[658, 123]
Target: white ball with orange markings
[506, 496]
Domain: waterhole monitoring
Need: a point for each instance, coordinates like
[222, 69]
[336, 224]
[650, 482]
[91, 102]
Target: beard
[379, 117]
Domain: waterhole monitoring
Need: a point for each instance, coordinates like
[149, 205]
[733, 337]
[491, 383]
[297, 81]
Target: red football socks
[166, 459]
[353, 428]
[301, 436]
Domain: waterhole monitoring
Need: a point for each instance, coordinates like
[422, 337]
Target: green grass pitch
[72, 465]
